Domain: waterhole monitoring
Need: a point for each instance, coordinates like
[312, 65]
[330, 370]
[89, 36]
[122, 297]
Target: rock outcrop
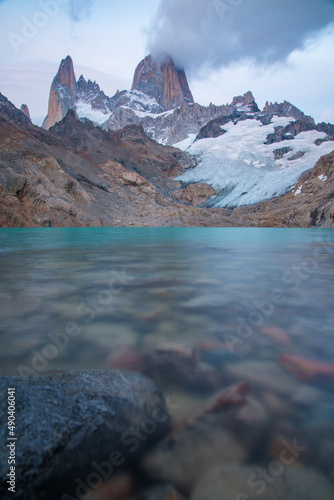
[68, 421]
[9, 113]
[196, 194]
[246, 102]
[25, 110]
[210, 130]
[63, 93]
[214, 128]
[88, 90]
[157, 77]
[287, 109]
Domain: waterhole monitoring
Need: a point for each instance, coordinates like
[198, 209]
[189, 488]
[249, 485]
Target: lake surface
[236, 302]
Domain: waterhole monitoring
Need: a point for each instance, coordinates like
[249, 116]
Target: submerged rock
[193, 453]
[181, 366]
[76, 429]
[307, 369]
[209, 438]
[278, 335]
[246, 483]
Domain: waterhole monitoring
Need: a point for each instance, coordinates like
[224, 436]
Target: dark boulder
[69, 423]
[211, 129]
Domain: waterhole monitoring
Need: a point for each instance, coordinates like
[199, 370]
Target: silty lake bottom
[198, 310]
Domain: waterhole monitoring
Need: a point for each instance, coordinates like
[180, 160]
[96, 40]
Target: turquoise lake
[240, 301]
[192, 284]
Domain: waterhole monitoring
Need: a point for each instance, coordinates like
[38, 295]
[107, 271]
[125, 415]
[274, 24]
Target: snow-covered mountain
[88, 100]
[251, 157]
[247, 154]
[160, 100]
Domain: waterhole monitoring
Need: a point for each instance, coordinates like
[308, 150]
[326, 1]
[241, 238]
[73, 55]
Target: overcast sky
[279, 49]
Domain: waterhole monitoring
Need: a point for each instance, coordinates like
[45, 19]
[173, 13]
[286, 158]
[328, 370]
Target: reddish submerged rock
[307, 369]
[278, 335]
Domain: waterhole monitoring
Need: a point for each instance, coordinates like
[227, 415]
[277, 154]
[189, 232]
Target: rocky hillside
[76, 174]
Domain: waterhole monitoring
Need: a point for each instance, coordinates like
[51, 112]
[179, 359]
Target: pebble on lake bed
[159, 492]
[115, 489]
[245, 483]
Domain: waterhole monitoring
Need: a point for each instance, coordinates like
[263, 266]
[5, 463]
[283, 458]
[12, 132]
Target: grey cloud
[217, 33]
[80, 9]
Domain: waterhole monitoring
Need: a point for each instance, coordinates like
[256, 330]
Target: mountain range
[152, 156]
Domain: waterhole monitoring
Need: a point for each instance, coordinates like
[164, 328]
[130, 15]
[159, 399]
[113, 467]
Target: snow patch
[85, 110]
[143, 114]
[143, 98]
[186, 143]
[322, 177]
[299, 190]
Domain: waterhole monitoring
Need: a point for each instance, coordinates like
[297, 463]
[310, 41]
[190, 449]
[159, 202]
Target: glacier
[243, 168]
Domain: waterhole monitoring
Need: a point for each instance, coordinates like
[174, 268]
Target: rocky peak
[287, 109]
[245, 100]
[24, 108]
[90, 92]
[63, 93]
[246, 103]
[158, 77]
[86, 87]
[66, 76]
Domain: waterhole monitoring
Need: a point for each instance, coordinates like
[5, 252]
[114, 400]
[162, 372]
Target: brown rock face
[63, 93]
[25, 110]
[159, 78]
[196, 194]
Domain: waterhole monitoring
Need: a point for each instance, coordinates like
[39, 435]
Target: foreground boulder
[76, 429]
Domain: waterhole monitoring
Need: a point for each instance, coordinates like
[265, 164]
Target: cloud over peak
[217, 33]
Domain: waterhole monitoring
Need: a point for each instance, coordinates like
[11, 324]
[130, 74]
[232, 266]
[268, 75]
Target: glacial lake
[249, 305]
